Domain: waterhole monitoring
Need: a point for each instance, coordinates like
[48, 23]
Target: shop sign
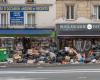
[73, 27]
[89, 26]
[16, 17]
[24, 8]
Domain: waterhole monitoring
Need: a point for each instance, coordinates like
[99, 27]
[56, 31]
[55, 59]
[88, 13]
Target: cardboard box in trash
[30, 51]
[16, 56]
[30, 61]
[10, 60]
[67, 58]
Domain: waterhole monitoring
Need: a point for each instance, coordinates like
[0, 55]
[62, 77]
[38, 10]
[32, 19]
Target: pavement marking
[3, 66]
[39, 79]
[83, 69]
[52, 71]
[18, 79]
[49, 72]
[39, 67]
[66, 69]
[25, 79]
[82, 77]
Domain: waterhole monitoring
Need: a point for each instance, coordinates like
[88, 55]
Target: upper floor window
[30, 1]
[4, 20]
[31, 20]
[96, 12]
[3, 1]
[69, 12]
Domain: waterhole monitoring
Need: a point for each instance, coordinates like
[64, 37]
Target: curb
[3, 65]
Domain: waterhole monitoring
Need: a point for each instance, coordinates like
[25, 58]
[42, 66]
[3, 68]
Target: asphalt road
[72, 72]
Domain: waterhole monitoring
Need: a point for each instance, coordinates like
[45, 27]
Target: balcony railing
[16, 26]
[4, 25]
[30, 25]
[30, 1]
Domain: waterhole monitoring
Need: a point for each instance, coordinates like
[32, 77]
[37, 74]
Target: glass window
[4, 20]
[3, 1]
[31, 20]
[69, 12]
[99, 12]
[96, 11]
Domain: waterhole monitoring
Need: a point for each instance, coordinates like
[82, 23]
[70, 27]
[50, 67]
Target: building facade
[73, 9]
[26, 23]
[78, 24]
[32, 13]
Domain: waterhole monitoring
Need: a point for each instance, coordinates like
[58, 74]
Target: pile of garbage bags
[67, 55]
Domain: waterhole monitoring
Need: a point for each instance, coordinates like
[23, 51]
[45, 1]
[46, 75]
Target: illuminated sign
[89, 26]
[24, 8]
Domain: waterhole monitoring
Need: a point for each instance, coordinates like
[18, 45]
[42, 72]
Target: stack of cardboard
[30, 51]
[30, 61]
[16, 57]
[67, 58]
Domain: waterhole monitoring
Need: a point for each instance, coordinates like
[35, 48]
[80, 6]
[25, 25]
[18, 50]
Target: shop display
[82, 45]
[7, 43]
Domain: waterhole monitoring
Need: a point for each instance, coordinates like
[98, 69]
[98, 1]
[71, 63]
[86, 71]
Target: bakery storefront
[82, 37]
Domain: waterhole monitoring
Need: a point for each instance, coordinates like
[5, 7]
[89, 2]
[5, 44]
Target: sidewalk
[22, 65]
[16, 65]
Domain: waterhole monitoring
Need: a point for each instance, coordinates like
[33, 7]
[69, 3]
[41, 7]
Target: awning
[25, 32]
[79, 34]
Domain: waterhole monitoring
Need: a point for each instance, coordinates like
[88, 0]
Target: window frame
[70, 6]
[7, 20]
[96, 14]
[4, 1]
[26, 21]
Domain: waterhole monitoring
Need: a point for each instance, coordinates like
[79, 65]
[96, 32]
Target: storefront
[82, 37]
[24, 39]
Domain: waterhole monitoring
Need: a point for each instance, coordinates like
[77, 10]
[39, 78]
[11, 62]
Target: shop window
[69, 12]
[30, 1]
[7, 43]
[31, 20]
[96, 12]
[3, 1]
[4, 20]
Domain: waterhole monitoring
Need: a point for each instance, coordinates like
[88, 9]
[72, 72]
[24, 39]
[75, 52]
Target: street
[77, 72]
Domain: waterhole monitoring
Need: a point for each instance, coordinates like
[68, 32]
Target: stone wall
[83, 8]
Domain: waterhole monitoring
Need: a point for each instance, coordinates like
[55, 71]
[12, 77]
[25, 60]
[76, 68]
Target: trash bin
[3, 55]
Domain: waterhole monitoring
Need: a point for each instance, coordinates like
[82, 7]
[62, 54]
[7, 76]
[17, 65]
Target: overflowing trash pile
[67, 55]
[45, 51]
